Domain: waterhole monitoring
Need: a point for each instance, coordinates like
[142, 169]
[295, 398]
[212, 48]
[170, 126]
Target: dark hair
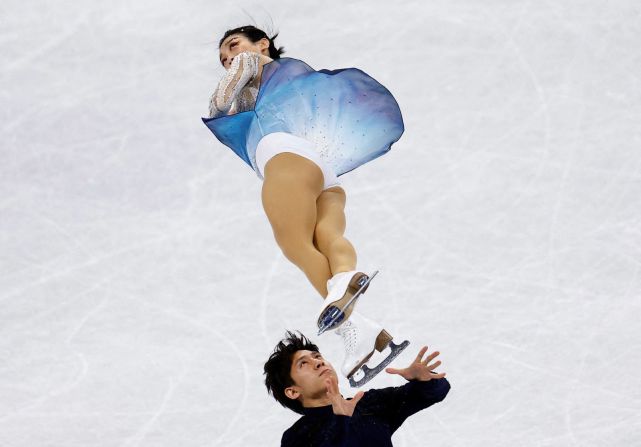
[255, 34]
[278, 366]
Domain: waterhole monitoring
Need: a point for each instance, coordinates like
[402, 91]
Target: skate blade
[383, 339]
[370, 373]
[337, 313]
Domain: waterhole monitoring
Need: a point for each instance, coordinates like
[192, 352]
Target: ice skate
[361, 338]
[343, 291]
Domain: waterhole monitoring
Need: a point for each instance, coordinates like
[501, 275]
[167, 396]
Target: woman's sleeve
[243, 69]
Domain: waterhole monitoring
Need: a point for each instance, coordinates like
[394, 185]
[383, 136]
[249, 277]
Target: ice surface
[140, 286]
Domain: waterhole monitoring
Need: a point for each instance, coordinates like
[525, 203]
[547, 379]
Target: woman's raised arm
[243, 70]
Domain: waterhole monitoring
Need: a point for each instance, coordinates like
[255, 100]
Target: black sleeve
[395, 404]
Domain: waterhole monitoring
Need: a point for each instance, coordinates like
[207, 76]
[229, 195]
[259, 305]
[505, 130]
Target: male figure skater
[300, 379]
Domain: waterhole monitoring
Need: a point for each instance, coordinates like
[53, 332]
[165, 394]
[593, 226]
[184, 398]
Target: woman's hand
[420, 369]
[261, 58]
[258, 60]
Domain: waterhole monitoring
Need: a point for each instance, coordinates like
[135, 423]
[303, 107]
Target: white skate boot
[343, 291]
[361, 338]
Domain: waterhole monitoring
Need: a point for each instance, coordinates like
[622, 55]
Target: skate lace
[350, 336]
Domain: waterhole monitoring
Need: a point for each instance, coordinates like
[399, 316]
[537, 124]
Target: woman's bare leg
[330, 228]
[291, 187]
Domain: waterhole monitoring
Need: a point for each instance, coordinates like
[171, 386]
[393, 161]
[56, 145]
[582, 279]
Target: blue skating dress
[348, 116]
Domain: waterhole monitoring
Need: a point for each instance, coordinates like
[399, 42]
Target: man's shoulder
[300, 423]
[302, 432]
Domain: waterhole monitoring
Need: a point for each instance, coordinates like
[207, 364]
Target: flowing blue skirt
[348, 116]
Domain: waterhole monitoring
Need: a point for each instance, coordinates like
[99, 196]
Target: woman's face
[238, 43]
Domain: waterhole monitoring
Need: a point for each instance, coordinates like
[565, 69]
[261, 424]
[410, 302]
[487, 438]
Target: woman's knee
[333, 197]
[296, 251]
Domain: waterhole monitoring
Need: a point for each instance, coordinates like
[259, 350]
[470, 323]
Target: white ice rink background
[141, 290]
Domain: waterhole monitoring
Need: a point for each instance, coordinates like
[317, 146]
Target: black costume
[376, 417]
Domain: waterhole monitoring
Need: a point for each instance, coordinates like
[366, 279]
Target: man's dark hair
[278, 366]
[254, 35]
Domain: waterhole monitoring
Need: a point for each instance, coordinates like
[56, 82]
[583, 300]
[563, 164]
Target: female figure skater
[299, 129]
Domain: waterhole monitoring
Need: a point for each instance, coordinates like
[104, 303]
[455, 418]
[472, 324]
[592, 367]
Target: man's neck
[316, 402]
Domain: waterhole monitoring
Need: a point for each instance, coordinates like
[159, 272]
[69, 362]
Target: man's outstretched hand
[420, 369]
[341, 406]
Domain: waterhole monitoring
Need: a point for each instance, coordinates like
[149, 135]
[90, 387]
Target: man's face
[309, 371]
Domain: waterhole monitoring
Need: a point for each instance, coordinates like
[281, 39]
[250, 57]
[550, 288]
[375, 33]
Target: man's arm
[424, 388]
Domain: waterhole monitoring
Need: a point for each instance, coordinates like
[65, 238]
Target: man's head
[296, 372]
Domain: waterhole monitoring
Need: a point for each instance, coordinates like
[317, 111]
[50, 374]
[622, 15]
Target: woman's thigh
[291, 188]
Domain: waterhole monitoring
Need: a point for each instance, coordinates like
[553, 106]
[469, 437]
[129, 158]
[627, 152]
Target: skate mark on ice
[88, 315]
[50, 43]
[31, 320]
[264, 297]
[59, 273]
[142, 432]
[175, 313]
[527, 67]
[84, 367]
